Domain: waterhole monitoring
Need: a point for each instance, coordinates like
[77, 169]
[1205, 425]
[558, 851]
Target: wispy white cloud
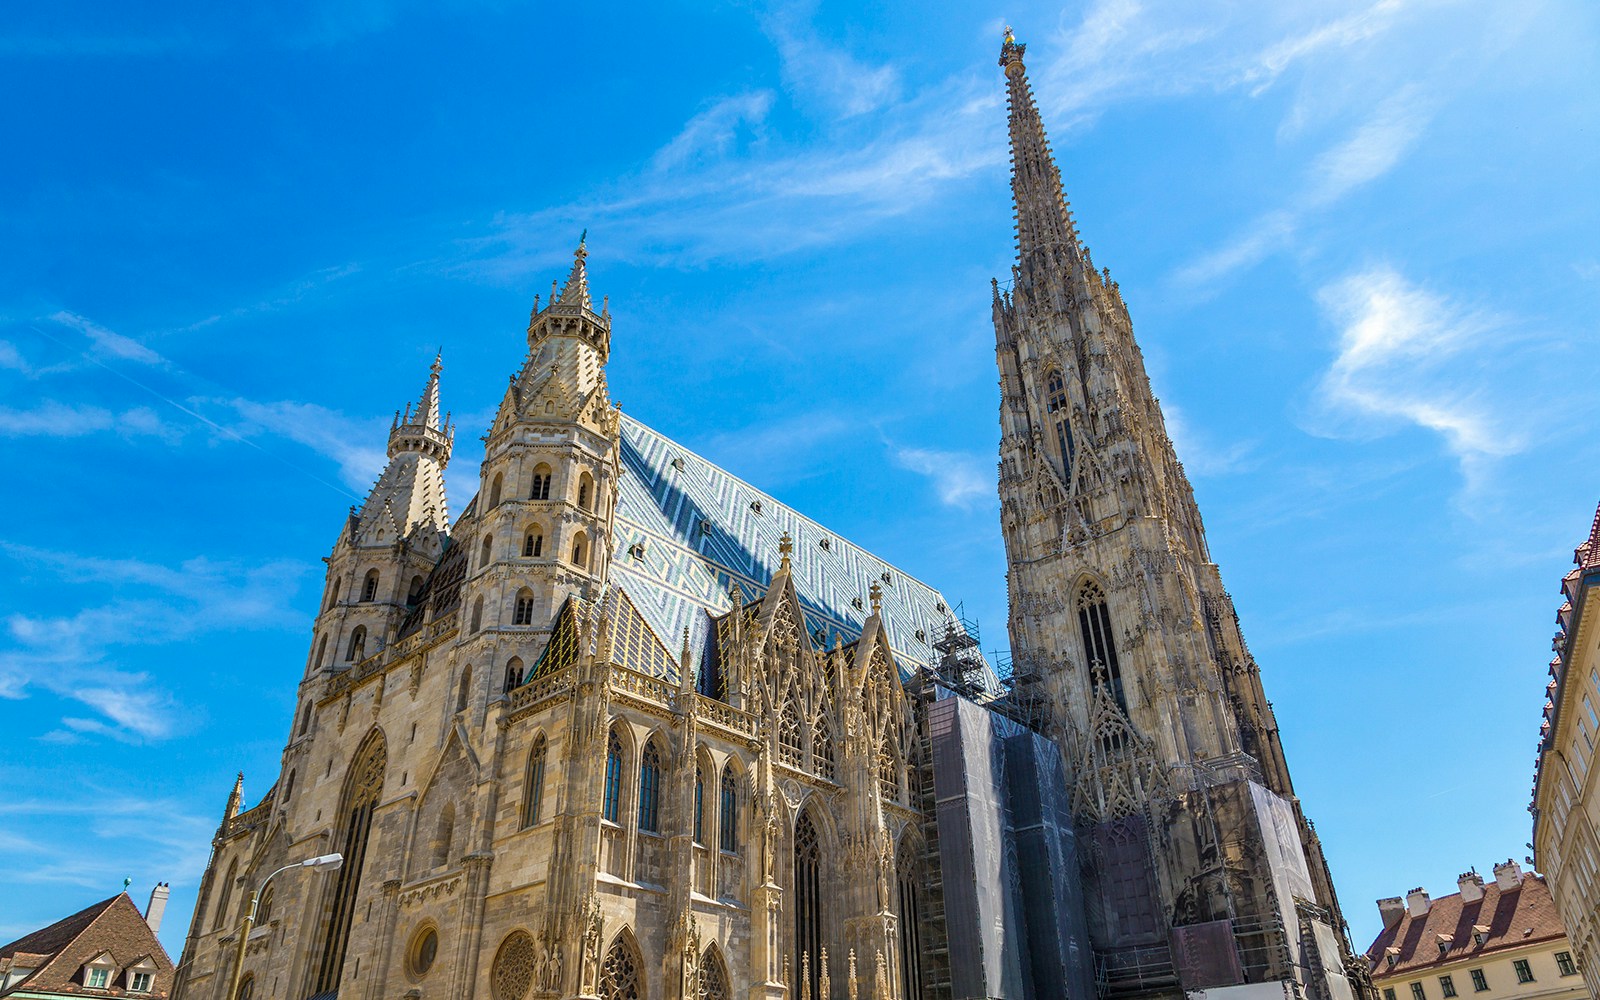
[713, 133]
[113, 836]
[52, 418]
[357, 446]
[1200, 455]
[960, 479]
[1405, 359]
[108, 343]
[814, 70]
[773, 455]
[1360, 26]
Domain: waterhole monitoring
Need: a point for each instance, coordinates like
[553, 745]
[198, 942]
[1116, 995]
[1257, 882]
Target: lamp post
[322, 862]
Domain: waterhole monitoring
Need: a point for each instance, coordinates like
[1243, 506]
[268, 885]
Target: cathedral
[629, 728]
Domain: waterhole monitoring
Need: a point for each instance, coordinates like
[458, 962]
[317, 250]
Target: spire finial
[1043, 219]
[875, 592]
[785, 550]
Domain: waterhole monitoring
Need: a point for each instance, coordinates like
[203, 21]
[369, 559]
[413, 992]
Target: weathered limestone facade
[630, 729]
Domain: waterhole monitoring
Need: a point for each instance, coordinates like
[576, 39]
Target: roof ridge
[88, 915]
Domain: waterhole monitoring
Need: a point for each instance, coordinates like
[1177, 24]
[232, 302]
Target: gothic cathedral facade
[631, 729]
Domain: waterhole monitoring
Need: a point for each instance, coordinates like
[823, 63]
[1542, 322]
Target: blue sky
[1358, 241]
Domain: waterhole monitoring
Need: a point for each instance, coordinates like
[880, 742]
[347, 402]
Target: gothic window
[1055, 392]
[611, 807]
[464, 692]
[541, 483]
[533, 544]
[888, 771]
[487, 552]
[729, 810]
[264, 908]
[305, 720]
[1056, 406]
[358, 644]
[288, 787]
[789, 750]
[1099, 645]
[585, 491]
[807, 905]
[225, 896]
[822, 748]
[363, 789]
[494, 491]
[910, 923]
[247, 989]
[443, 835]
[699, 804]
[513, 968]
[513, 674]
[414, 590]
[477, 614]
[333, 593]
[580, 551]
[533, 783]
[714, 977]
[619, 973]
[650, 788]
[322, 649]
[522, 610]
[369, 586]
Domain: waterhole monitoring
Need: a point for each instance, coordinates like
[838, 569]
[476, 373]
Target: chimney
[1392, 910]
[157, 907]
[1417, 902]
[1471, 885]
[1508, 876]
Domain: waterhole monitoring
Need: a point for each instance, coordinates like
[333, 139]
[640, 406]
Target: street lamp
[322, 862]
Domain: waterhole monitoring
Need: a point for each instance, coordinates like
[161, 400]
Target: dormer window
[636, 550]
[825, 543]
[97, 971]
[140, 977]
[755, 506]
[1480, 934]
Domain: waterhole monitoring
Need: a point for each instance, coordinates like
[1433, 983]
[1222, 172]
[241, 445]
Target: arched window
[464, 693]
[533, 544]
[513, 674]
[789, 750]
[888, 771]
[541, 483]
[358, 644]
[225, 896]
[288, 787]
[322, 650]
[413, 590]
[477, 614]
[486, 552]
[443, 835]
[714, 976]
[822, 748]
[807, 905]
[650, 788]
[611, 805]
[1099, 644]
[533, 783]
[247, 988]
[305, 720]
[1055, 392]
[907, 875]
[580, 551]
[522, 609]
[333, 593]
[362, 792]
[586, 491]
[729, 810]
[699, 804]
[494, 490]
[1056, 405]
[264, 907]
[619, 973]
[369, 586]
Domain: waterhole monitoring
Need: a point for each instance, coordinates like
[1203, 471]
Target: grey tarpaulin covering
[1013, 902]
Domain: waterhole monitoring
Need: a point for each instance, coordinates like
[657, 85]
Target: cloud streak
[960, 479]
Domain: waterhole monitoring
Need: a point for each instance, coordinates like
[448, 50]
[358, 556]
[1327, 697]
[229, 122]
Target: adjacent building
[1493, 941]
[1566, 797]
[105, 950]
[630, 728]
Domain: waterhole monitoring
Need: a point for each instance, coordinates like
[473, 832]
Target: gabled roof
[112, 927]
[50, 940]
[1512, 918]
[703, 530]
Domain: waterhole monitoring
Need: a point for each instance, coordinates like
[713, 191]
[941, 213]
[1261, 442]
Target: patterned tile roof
[1509, 919]
[686, 531]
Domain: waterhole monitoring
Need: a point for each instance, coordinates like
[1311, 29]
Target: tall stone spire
[411, 490]
[423, 429]
[1043, 219]
[575, 293]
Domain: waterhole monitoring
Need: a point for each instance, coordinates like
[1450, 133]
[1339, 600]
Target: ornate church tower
[1126, 647]
[389, 544]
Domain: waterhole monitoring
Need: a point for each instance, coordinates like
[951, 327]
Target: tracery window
[513, 674]
[650, 788]
[807, 905]
[1099, 644]
[888, 771]
[362, 791]
[224, 896]
[822, 748]
[910, 923]
[369, 587]
[611, 807]
[513, 968]
[699, 804]
[789, 749]
[522, 611]
[714, 977]
[358, 644]
[533, 545]
[533, 783]
[619, 973]
[1056, 405]
[541, 483]
[729, 812]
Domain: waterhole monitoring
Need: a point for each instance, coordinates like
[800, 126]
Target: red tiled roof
[49, 940]
[1514, 918]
